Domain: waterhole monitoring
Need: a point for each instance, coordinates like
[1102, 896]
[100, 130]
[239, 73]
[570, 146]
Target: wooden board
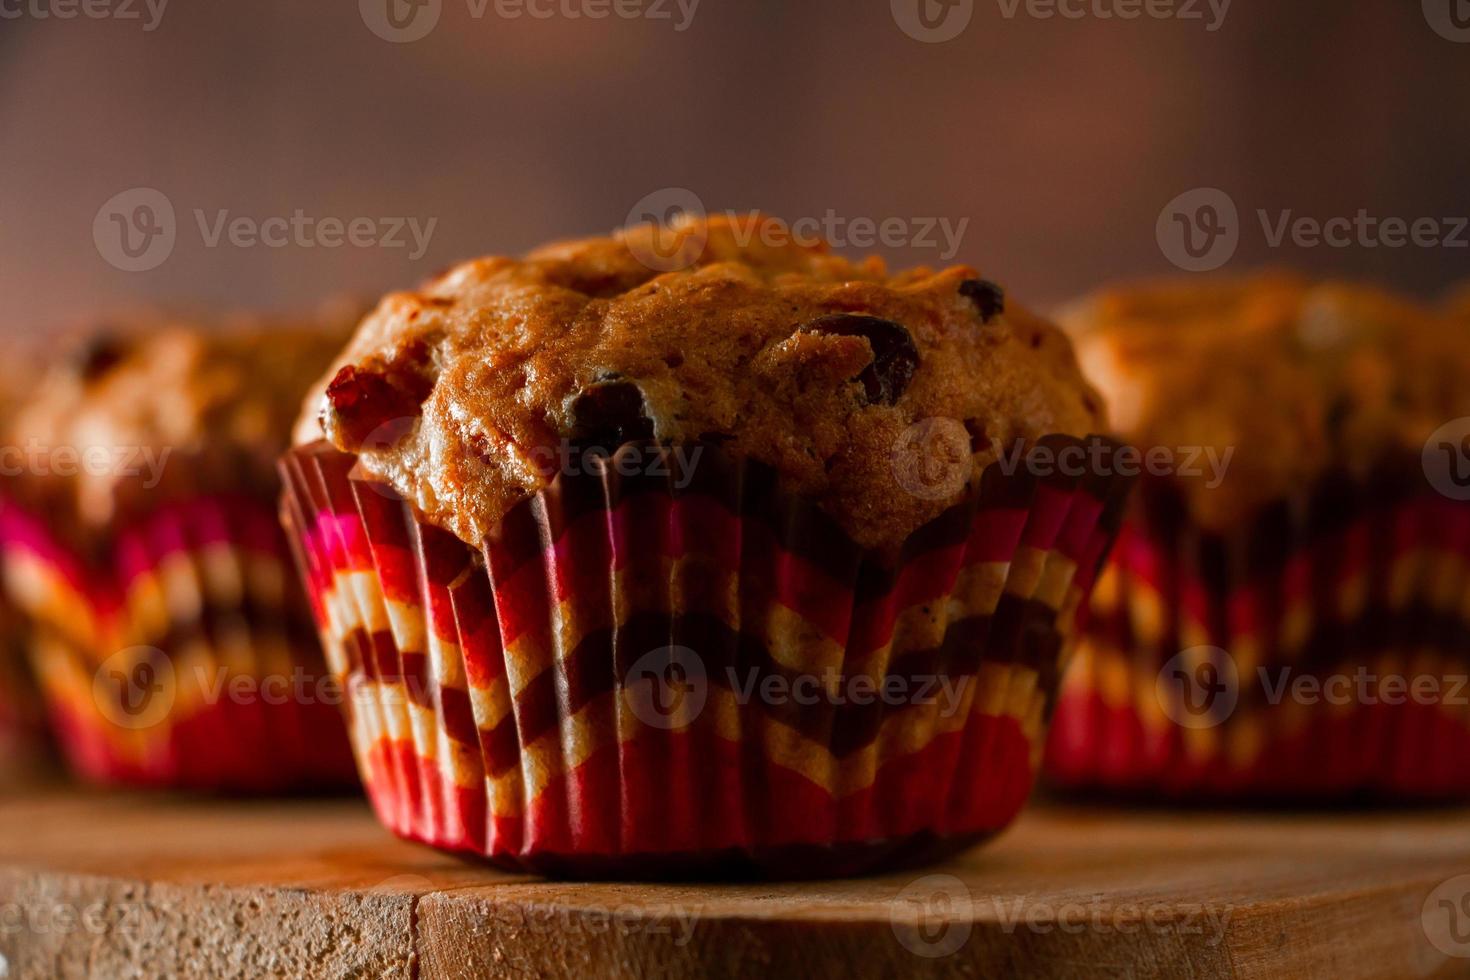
[122, 886]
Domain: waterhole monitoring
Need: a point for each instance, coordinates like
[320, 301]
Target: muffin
[1458, 304]
[168, 635]
[714, 570]
[1286, 615]
[22, 733]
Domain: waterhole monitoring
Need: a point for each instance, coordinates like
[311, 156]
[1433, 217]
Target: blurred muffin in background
[1458, 305]
[1288, 607]
[22, 732]
[170, 639]
[593, 511]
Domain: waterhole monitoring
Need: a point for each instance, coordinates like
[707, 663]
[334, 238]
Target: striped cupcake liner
[184, 657]
[22, 736]
[636, 678]
[1323, 654]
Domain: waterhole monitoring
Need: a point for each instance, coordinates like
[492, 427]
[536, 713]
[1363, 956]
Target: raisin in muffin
[597, 498]
[1321, 549]
[146, 555]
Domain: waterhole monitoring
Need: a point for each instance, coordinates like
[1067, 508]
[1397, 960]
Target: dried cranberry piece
[988, 298]
[610, 412]
[376, 406]
[895, 358]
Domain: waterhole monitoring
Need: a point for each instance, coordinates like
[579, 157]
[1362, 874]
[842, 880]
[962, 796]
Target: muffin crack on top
[464, 395]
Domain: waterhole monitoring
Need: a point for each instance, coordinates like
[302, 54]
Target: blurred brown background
[1059, 139]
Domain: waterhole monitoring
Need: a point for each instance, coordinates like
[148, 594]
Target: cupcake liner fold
[22, 736]
[1360, 585]
[638, 677]
[175, 651]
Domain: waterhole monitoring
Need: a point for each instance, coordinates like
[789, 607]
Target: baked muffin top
[1296, 377]
[140, 389]
[461, 395]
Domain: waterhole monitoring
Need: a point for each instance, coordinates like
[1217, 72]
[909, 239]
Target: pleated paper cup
[22, 735]
[642, 676]
[172, 650]
[1320, 653]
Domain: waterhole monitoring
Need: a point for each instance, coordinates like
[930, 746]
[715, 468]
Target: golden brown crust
[1295, 377]
[149, 386]
[495, 364]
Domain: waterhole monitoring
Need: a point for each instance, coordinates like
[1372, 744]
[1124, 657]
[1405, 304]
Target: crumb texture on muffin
[1294, 378]
[139, 385]
[462, 394]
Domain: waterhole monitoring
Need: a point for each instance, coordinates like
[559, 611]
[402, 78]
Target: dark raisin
[988, 298]
[895, 358]
[99, 354]
[609, 413]
[979, 439]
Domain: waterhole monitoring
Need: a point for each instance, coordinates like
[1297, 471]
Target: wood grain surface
[134, 886]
